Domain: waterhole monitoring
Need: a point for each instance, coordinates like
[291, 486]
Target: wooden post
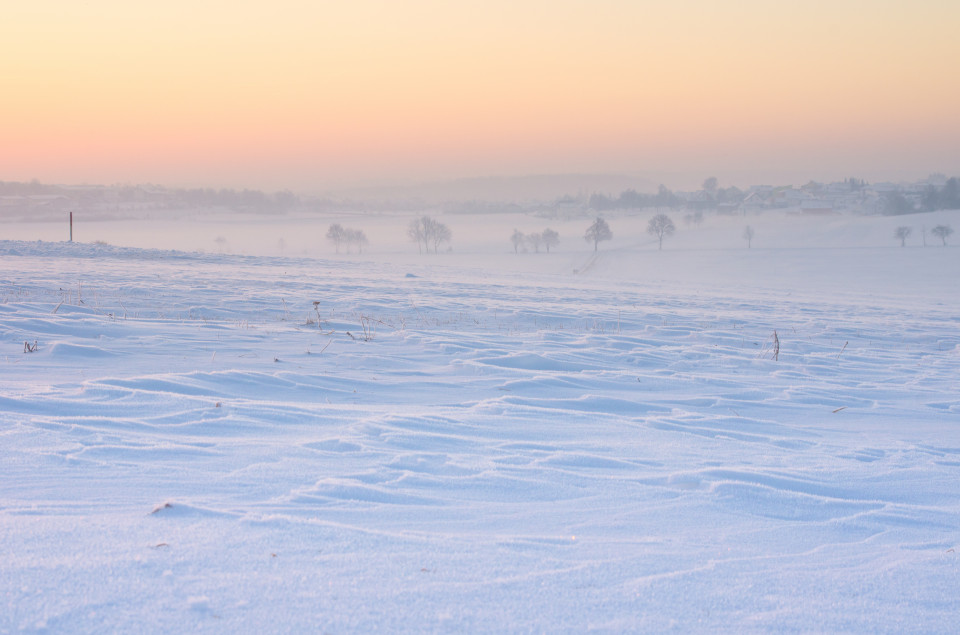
[71, 226]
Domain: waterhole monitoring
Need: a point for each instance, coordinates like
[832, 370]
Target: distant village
[37, 202]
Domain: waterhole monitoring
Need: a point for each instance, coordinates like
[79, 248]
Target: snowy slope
[190, 450]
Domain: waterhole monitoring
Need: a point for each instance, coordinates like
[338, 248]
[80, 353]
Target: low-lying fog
[711, 252]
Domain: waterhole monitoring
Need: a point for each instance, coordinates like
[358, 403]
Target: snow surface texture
[478, 450]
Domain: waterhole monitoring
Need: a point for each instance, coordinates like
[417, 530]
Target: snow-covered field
[482, 441]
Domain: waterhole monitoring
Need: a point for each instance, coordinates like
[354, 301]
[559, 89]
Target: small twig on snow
[843, 349]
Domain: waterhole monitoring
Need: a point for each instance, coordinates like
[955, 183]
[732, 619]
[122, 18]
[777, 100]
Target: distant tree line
[932, 199]
[247, 200]
[710, 195]
[631, 199]
[33, 188]
[946, 197]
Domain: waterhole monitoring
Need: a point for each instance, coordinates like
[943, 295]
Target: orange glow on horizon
[372, 90]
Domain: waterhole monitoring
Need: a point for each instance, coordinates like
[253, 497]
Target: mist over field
[461, 317]
[218, 422]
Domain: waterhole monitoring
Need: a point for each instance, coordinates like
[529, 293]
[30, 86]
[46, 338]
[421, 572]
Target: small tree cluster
[426, 231]
[339, 235]
[547, 238]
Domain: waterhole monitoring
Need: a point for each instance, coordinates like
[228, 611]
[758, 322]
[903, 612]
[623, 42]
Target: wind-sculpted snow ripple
[579, 454]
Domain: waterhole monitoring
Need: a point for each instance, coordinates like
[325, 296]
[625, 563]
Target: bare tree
[902, 232]
[660, 226]
[417, 232]
[535, 239]
[439, 233]
[336, 234]
[357, 237]
[550, 238]
[941, 232]
[748, 236]
[597, 232]
[425, 232]
[517, 239]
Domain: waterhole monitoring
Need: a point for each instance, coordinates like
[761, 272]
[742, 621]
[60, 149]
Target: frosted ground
[480, 441]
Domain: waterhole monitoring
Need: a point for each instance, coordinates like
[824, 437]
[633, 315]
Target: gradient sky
[312, 95]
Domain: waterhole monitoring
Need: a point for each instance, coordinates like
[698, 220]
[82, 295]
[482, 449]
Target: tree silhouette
[660, 226]
[439, 233]
[425, 232]
[417, 231]
[357, 237]
[710, 185]
[941, 232]
[902, 232]
[517, 240]
[597, 232]
[336, 234]
[550, 238]
[748, 235]
[895, 203]
[665, 198]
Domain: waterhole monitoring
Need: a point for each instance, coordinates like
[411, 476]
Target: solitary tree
[748, 235]
[550, 238]
[902, 232]
[597, 232]
[336, 234]
[517, 240]
[941, 232]
[660, 226]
